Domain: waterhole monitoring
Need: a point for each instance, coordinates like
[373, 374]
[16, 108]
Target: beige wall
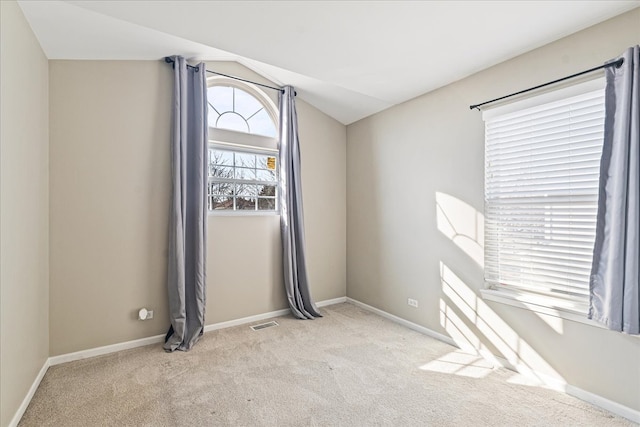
[426, 155]
[250, 284]
[110, 123]
[324, 187]
[24, 212]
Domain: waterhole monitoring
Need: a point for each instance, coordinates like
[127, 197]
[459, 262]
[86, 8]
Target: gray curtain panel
[291, 218]
[614, 296]
[188, 211]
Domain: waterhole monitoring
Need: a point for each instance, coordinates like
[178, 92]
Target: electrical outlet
[412, 302]
[144, 314]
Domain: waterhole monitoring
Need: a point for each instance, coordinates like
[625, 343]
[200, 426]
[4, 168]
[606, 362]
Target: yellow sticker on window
[271, 163]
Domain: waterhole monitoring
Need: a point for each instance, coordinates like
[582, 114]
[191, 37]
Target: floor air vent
[264, 325]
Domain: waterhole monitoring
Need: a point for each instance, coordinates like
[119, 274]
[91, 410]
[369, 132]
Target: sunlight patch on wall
[470, 321]
[458, 330]
[462, 224]
[554, 321]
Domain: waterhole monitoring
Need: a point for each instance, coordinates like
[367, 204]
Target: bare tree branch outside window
[242, 181]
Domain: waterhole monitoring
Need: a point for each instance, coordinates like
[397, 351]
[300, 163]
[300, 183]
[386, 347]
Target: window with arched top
[234, 109]
[243, 148]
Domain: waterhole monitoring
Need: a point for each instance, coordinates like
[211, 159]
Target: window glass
[234, 109]
[541, 195]
[232, 121]
[241, 181]
[242, 172]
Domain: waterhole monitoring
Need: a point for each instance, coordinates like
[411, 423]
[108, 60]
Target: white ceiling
[350, 59]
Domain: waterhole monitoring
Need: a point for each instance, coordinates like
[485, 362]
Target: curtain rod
[170, 60]
[617, 64]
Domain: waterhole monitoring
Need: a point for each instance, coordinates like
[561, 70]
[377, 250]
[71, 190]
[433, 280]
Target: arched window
[234, 109]
[243, 148]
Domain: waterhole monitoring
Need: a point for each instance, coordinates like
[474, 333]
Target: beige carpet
[350, 368]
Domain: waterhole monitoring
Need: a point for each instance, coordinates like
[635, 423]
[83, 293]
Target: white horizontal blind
[541, 193]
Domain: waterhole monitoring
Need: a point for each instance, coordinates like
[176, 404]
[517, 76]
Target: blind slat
[541, 192]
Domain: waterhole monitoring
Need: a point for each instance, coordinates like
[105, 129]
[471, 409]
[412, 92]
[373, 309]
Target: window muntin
[234, 109]
[242, 181]
[541, 193]
[243, 149]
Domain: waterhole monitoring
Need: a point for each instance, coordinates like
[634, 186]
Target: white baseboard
[27, 399]
[408, 324]
[269, 315]
[604, 403]
[99, 351]
[245, 320]
[561, 385]
[547, 380]
[550, 382]
[331, 302]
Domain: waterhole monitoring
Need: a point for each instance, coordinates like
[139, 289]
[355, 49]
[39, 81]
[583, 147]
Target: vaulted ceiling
[349, 59]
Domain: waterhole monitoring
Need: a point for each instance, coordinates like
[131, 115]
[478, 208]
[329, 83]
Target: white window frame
[223, 212]
[563, 308]
[241, 142]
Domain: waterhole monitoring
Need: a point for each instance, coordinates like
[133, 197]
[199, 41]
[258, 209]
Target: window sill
[558, 308]
[242, 213]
